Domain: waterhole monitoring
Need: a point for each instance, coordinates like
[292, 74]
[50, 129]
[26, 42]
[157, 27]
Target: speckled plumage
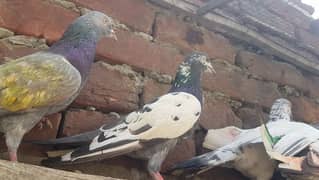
[47, 81]
[284, 139]
[151, 132]
[241, 149]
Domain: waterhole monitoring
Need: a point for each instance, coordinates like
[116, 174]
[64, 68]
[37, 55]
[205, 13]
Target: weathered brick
[170, 29]
[33, 153]
[153, 89]
[217, 114]
[307, 39]
[303, 6]
[220, 173]
[304, 109]
[313, 85]
[36, 18]
[249, 117]
[233, 82]
[13, 53]
[137, 14]
[140, 53]
[184, 150]
[270, 70]
[255, 14]
[108, 89]
[46, 132]
[287, 12]
[79, 121]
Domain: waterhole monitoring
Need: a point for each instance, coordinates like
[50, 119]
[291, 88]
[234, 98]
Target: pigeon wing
[37, 80]
[168, 117]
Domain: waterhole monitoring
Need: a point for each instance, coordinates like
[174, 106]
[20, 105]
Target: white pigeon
[240, 149]
[284, 139]
[149, 133]
[233, 148]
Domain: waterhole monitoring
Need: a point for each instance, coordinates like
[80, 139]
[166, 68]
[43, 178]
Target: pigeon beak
[112, 35]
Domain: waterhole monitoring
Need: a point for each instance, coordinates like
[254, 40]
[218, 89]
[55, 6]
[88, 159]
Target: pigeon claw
[45, 122]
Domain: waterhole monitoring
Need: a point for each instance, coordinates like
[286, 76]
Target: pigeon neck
[79, 51]
[279, 115]
[188, 81]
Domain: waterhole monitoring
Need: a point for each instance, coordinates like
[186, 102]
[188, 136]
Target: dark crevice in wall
[154, 26]
[62, 123]
[141, 101]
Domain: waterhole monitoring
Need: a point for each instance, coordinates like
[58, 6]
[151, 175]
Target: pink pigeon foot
[157, 176]
[13, 156]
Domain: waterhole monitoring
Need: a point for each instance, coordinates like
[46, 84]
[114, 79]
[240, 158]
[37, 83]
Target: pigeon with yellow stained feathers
[48, 81]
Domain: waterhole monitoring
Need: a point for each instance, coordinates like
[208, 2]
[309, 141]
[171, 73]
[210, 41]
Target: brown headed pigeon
[48, 81]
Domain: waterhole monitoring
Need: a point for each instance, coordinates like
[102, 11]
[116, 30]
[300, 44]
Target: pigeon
[48, 81]
[241, 149]
[150, 132]
[285, 140]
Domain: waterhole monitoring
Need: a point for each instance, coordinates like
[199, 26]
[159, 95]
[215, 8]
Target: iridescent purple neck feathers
[79, 52]
[79, 41]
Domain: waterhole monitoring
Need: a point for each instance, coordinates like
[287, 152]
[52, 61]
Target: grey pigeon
[48, 81]
[149, 133]
[285, 140]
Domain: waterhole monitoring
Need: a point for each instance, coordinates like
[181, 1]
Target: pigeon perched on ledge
[48, 81]
[149, 133]
[241, 149]
[284, 139]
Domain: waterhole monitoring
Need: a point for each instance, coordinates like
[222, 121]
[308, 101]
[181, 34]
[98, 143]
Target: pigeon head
[95, 23]
[79, 41]
[280, 109]
[189, 72]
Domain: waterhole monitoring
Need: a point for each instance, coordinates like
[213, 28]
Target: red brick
[233, 82]
[137, 14]
[184, 150]
[304, 6]
[217, 114]
[270, 70]
[14, 52]
[31, 153]
[170, 29]
[36, 18]
[46, 132]
[287, 12]
[249, 117]
[304, 109]
[311, 41]
[153, 89]
[313, 85]
[79, 121]
[140, 53]
[220, 173]
[108, 90]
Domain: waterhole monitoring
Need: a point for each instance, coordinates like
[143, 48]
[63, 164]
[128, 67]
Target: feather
[152, 131]
[48, 81]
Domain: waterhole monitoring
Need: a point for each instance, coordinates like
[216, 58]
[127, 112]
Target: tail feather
[84, 154]
[75, 140]
[195, 164]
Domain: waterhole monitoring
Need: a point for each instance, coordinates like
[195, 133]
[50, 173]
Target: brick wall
[141, 64]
